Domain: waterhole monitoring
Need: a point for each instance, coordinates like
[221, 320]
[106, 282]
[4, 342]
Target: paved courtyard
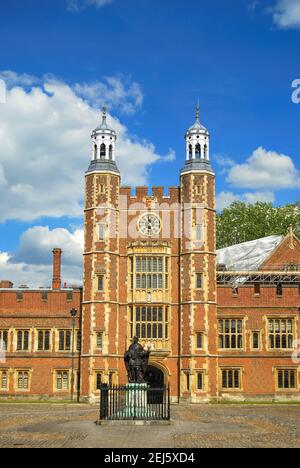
[68, 426]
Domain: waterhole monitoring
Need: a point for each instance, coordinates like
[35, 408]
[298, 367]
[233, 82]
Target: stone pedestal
[136, 405]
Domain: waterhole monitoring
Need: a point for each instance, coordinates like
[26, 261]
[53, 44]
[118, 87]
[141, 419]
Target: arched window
[205, 152]
[198, 151]
[110, 152]
[102, 151]
[95, 152]
[191, 151]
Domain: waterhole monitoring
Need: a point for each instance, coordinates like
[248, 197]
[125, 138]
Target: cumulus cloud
[31, 264]
[77, 5]
[286, 14]
[118, 92]
[12, 78]
[223, 161]
[265, 170]
[45, 149]
[253, 197]
[37, 243]
[225, 199]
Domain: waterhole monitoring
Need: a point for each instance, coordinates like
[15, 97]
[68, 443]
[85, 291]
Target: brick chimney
[6, 284]
[56, 281]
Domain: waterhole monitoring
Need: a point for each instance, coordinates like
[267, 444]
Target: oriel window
[150, 323]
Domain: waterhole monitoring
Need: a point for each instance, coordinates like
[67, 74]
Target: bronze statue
[136, 362]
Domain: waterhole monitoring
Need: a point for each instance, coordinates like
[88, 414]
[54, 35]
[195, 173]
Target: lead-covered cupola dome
[103, 128]
[197, 140]
[104, 147]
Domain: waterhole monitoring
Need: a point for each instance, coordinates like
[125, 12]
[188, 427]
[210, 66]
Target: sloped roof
[248, 256]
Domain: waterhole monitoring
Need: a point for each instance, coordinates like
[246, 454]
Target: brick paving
[194, 426]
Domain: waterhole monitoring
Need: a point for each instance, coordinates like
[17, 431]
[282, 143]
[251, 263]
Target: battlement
[158, 193]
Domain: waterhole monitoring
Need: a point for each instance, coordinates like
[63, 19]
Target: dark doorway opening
[155, 379]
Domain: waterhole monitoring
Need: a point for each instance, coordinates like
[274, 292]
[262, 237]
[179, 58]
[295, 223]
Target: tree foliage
[242, 222]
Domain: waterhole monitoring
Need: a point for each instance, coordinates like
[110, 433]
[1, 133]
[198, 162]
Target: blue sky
[151, 61]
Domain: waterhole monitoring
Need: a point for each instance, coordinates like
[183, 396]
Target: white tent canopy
[248, 256]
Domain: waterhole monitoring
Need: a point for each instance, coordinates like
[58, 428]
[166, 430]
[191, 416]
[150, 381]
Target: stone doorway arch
[155, 376]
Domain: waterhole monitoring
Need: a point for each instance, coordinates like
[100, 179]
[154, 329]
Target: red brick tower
[198, 268]
[142, 278]
[101, 261]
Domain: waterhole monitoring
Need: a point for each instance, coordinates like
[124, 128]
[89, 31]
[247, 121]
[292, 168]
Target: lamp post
[73, 314]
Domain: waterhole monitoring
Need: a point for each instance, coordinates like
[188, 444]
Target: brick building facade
[36, 339]
[151, 269]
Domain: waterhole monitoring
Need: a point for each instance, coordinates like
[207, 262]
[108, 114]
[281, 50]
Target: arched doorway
[154, 377]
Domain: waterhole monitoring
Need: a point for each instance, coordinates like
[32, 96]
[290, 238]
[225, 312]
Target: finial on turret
[104, 114]
[197, 111]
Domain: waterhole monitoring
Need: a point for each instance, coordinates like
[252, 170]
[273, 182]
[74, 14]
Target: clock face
[149, 224]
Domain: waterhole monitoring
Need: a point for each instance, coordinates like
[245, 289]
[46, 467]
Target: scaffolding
[287, 274]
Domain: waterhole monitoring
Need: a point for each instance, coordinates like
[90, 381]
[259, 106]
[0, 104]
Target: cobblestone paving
[194, 426]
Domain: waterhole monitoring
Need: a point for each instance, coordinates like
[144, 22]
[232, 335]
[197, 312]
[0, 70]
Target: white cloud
[223, 161]
[253, 197]
[12, 78]
[45, 150]
[115, 92]
[225, 199]
[36, 245]
[265, 170]
[286, 14]
[77, 5]
[32, 262]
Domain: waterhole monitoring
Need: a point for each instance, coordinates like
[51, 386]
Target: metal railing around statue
[134, 402]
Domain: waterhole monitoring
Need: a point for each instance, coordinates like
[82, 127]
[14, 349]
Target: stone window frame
[233, 369]
[140, 275]
[295, 369]
[15, 341]
[78, 340]
[201, 274]
[16, 379]
[102, 235]
[243, 333]
[4, 348]
[203, 336]
[95, 379]
[102, 333]
[98, 276]
[281, 318]
[63, 371]
[202, 372]
[36, 339]
[165, 321]
[199, 228]
[7, 371]
[187, 380]
[57, 340]
[260, 344]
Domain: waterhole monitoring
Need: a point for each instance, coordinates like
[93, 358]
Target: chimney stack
[56, 282]
[6, 284]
